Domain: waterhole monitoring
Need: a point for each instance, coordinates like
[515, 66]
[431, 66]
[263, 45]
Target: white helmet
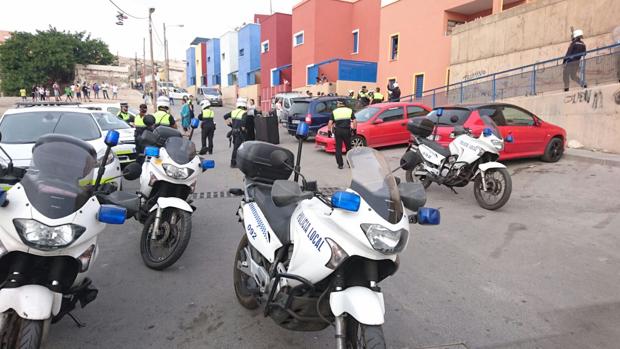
[205, 104]
[577, 33]
[163, 101]
[242, 102]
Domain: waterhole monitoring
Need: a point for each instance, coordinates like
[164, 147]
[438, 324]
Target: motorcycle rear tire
[505, 195]
[25, 334]
[184, 235]
[244, 296]
[360, 336]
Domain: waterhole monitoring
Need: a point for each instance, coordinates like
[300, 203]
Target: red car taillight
[308, 119]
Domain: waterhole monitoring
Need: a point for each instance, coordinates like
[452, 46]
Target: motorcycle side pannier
[421, 127]
[254, 160]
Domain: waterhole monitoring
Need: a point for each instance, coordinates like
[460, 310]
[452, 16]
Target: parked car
[177, 93]
[212, 94]
[532, 137]
[112, 108]
[318, 112]
[22, 127]
[126, 148]
[378, 125]
[286, 100]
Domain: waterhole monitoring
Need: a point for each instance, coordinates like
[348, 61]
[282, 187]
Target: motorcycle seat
[445, 152]
[279, 218]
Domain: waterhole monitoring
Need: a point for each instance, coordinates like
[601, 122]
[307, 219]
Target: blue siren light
[112, 214]
[487, 132]
[302, 130]
[428, 216]
[195, 123]
[111, 138]
[151, 151]
[207, 164]
[439, 111]
[346, 201]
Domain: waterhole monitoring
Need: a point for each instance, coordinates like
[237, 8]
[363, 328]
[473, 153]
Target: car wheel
[554, 150]
[358, 141]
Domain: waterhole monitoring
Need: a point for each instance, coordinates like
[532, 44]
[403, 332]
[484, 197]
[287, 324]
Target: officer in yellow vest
[22, 93]
[343, 125]
[207, 127]
[363, 96]
[377, 96]
[140, 126]
[124, 113]
[238, 118]
[162, 117]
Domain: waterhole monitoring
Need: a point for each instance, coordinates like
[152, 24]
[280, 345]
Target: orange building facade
[414, 39]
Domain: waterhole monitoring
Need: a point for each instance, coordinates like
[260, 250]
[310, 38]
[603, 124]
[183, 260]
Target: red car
[532, 137]
[378, 125]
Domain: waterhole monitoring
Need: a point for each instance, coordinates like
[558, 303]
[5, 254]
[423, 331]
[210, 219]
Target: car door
[528, 137]
[388, 126]
[412, 112]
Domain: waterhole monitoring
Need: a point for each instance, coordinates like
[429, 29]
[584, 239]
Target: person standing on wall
[22, 93]
[104, 90]
[207, 127]
[238, 119]
[343, 125]
[576, 51]
[394, 92]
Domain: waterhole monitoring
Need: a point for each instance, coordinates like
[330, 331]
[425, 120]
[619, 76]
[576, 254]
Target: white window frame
[271, 76]
[303, 38]
[358, 41]
[262, 46]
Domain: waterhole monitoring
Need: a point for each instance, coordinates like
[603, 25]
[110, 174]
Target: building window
[394, 47]
[241, 52]
[298, 38]
[264, 46]
[356, 41]
[451, 24]
[418, 85]
[209, 59]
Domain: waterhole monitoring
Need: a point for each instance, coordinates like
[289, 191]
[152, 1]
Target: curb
[593, 160]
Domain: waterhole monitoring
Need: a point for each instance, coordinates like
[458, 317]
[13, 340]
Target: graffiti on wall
[475, 74]
[617, 97]
[593, 98]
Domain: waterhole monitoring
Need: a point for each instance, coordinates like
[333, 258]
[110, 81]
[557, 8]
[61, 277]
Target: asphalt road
[542, 272]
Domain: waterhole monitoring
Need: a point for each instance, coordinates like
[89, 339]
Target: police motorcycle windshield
[373, 181]
[489, 123]
[181, 150]
[52, 182]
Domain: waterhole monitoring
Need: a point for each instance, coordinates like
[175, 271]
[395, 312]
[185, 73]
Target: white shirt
[114, 89]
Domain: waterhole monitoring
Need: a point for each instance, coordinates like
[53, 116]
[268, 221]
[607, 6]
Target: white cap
[163, 101]
[242, 102]
[205, 104]
[577, 33]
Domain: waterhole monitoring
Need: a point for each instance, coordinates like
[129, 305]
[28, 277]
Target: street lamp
[166, 50]
[153, 82]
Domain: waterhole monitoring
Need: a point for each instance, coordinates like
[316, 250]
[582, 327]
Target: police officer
[363, 96]
[124, 113]
[343, 125]
[238, 119]
[377, 96]
[162, 117]
[207, 127]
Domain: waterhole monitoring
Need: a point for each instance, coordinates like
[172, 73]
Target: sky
[201, 18]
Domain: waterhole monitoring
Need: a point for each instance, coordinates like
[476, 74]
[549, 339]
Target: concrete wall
[111, 74]
[229, 54]
[526, 34]
[340, 87]
[589, 116]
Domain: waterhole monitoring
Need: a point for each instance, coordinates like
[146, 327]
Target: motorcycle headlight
[43, 237]
[498, 144]
[385, 240]
[177, 172]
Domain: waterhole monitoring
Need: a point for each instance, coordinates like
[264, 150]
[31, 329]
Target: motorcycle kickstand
[77, 321]
[454, 191]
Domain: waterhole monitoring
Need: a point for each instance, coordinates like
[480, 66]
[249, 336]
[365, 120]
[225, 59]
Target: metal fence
[600, 66]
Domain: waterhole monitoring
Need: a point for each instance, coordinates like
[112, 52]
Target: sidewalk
[606, 159]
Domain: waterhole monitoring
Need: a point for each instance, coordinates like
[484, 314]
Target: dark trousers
[571, 71]
[105, 94]
[206, 133]
[238, 138]
[342, 135]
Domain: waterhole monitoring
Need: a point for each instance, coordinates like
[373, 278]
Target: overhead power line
[125, 12]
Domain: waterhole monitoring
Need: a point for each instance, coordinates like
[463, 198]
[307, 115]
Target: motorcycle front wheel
[411, 177]
[169, 242]
[499, 188]
[20, 333]
[359, 336]
[241, 279]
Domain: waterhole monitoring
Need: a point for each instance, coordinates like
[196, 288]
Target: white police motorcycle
[48, 235]
[311, 260]
[169, 176]
[467, 159]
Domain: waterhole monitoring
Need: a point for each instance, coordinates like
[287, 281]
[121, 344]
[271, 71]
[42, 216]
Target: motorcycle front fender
[172, 202]
[32, 302]
[365, 305]
[489, 165]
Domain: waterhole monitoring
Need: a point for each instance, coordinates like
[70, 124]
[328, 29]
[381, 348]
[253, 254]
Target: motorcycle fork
[339, 321]
[156, 223]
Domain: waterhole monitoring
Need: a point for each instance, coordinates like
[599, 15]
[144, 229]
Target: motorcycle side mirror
[279, 158]
[148, 138]
[410, 160]
[378, 121]
[149, 120]
[195, 123]
[412, 194]
[132, 171]
[454, 119]
[284, 193]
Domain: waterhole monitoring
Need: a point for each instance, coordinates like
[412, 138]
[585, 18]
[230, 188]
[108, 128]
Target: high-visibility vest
[123, 116]
[343, 113]
[378, 96]
[22, 92]
[208, 114]
[361, 94]
[237, 114]
[139, 121]
[162, 118]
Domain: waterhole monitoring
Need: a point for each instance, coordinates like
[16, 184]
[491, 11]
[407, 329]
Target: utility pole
[135, 69]
[167, 63]
[143, 64]
[154, 83]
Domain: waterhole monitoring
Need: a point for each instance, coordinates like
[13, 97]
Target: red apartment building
[275, 57]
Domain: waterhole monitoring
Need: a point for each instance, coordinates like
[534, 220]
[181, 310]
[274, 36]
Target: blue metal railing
[531, 79]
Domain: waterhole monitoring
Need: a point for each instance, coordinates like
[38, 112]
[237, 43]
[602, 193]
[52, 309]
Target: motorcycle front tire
[25, 334]
[244, 296]
[184, 235]
[505, 195]
[359, 336]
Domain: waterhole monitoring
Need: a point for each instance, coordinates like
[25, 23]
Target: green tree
[44, 57]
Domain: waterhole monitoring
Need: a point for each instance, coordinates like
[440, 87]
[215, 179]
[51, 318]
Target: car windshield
[365, 114]
[489, 123]
[180, 149]
[450, 116]
[373, 181]
[210, 91]
[28, 127]
[300, 107]
[107, 121]
[55, 190]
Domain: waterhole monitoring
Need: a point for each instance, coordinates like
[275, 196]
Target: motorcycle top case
[421, 127]
[254, 160]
